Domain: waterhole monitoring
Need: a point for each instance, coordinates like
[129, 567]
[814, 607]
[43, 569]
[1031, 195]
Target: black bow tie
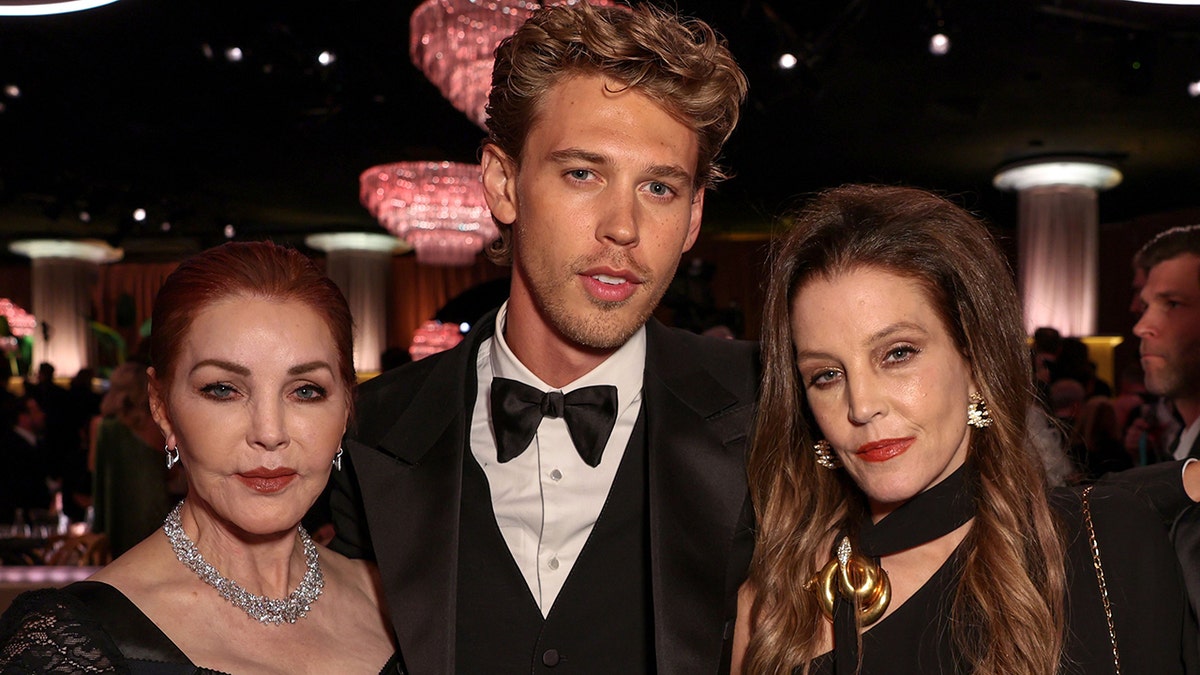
[518, 409]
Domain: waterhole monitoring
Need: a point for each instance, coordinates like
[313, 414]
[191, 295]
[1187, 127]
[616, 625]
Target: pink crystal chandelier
[432, 337]
[20, 322]
[452, 42]
[437, 207]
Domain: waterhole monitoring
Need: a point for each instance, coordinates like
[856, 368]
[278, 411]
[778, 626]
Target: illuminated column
[63, 274]
[1057, 240]
[360, 264]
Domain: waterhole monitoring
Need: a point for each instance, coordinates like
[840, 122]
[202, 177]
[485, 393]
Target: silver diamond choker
[260, 608]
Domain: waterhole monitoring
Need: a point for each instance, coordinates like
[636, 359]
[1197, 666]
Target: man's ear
[158, 408]
[500, 184]
[694, 223]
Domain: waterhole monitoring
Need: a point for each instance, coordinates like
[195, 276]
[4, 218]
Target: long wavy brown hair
[1008, 610]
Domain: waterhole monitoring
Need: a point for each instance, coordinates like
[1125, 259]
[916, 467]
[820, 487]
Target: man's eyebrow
[578, 154]
[670, 171]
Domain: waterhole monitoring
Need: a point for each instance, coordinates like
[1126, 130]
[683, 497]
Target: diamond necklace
[260, 608]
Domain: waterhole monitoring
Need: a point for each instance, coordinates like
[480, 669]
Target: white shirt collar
[26, 434]
[624, 368]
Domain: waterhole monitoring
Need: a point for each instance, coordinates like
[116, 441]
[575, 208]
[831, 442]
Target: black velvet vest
[601, 621]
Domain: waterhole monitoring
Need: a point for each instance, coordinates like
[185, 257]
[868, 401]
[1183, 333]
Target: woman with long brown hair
[904, 525]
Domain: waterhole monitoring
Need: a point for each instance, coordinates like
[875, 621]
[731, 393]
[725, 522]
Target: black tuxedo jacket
[1161, 486]
[398, 498]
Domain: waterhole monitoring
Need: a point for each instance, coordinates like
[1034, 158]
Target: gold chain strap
[1108, 615]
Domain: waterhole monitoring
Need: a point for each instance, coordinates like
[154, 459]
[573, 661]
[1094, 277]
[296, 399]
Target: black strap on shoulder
[148, 650]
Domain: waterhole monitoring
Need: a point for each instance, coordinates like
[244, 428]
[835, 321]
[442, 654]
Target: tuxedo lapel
[411, 484]
[697, 475]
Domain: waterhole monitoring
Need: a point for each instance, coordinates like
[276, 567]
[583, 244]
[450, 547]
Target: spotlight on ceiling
[233, 54]
[12, 91]
[139, 214]
[230, 233]
[326, 58]
[939, 44]
[787, 61]
[47, 7]
[1194, 88]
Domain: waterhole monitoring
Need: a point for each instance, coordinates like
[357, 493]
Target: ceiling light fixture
[939, 44]
[452, 42]
[787, 61]
[1082, 172]
[437, 207]
[47, 7]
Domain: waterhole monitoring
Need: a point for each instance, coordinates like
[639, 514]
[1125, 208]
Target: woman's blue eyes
[223, 392]
[217, 391]
[310, 392]
[822, 377]
[900, 353]
[827, 376]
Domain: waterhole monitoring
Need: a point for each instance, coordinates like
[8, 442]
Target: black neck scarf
[931, 514]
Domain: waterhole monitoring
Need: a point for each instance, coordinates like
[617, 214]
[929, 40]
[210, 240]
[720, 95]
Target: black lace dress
[91, 627]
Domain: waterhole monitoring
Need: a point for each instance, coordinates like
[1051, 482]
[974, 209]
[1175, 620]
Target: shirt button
[556, 475]
[553, 564]
[550, 658]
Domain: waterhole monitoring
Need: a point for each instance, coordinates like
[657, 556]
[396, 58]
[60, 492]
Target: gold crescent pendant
[857, 580]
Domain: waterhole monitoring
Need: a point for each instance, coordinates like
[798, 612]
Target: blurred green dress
[129, 487]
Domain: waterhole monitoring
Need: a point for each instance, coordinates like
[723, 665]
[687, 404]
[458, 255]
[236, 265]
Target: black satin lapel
[697, 492]
[444, 394]
[413, 517]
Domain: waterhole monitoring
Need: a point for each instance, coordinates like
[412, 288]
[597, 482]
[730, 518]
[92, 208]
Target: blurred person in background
[130, 474]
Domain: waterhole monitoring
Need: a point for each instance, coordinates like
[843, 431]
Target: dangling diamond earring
[337, 459]
[825, 455]
[978, 414]
[172, 455]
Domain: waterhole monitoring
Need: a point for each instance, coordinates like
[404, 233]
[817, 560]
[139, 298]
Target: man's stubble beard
[604, 330]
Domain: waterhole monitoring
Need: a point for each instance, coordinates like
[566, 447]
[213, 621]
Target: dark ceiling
[135, 104]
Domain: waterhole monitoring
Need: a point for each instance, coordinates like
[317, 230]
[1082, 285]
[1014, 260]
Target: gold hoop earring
[978, 414]
[825, 455]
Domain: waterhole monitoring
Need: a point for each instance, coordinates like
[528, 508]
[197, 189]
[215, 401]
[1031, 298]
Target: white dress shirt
[1187, 439]
[547, 500]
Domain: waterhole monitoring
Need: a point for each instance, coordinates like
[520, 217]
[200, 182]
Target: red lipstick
[268, 481]
[883, 450]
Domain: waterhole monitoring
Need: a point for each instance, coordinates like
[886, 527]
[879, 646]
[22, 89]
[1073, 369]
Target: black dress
[1152, 622]
[91, 627]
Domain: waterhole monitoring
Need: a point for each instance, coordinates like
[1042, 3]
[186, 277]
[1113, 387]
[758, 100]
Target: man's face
[1170, 328]
[33, 419]
[602, 207]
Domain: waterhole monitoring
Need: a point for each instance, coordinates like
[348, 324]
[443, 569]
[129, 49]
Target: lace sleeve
[50, 631]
